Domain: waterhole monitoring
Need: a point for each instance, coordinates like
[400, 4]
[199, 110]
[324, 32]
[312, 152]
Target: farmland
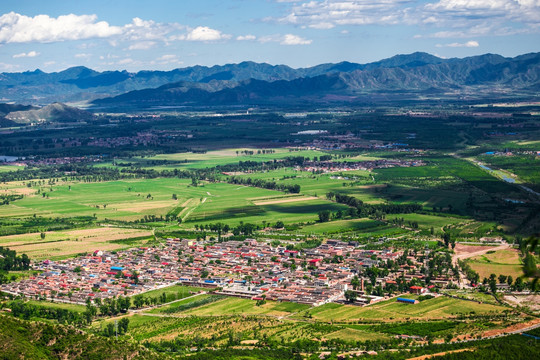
[502, 262]
[62, 244]
[391, 310]
[284, 225]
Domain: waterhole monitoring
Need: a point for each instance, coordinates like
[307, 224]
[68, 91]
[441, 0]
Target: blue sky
[135, 35]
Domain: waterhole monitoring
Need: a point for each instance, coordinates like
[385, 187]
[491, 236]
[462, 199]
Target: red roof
[416, 287]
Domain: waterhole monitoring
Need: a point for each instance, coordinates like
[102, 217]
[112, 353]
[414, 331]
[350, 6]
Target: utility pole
[116, 328]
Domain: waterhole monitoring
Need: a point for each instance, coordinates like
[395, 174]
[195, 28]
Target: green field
[223, 157]
[238, 306]
[6, 168]
[502, 262]
[174, 292]
[390, 310]
[339, 226]
[133, 199]
[58, 305]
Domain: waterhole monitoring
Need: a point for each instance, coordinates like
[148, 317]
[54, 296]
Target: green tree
[492, 283]
[350, 295]
[355, 282]
[324, 216]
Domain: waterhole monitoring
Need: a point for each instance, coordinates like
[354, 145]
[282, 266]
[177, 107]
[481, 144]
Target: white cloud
[143, 45]
[288, 39]
[148, 30]
[204, 33]
[125, 61]
[322, 25]
[328, 14]
[469, 44]
[16, 28]
[28, 54]
[291, 39]
[504, 17]
[9, 67]
[49, 63]
[167, 57]
[246, 37]
[140, 34]
[82, 56]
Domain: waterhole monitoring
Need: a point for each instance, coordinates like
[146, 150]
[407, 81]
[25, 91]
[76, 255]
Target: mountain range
[261, 83]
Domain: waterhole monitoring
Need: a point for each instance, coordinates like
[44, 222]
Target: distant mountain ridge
[416, 71]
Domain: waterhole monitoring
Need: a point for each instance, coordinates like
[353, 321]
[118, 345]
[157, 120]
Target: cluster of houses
[331, 166]
[249, 269]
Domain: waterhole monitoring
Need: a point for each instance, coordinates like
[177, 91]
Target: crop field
[7, 168]
[133, 199]
[354, 183]
[427, 221]
[58, 305]
[249, 329]
[174, 292]
[179, 306]
[390, 310]
[228, 156]
[60, 244]
[525, 167]
[339, 226]
[442, 167]
[238, 306]
[239, 204]
[501, 262]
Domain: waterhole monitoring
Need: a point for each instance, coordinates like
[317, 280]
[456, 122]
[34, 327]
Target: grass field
[339, 226]
[58, 305]
[226, 156]
[389, 310]
[60, 244]
[174, 292]
[134, 199]
[237, 306]
[502, 262]
[7, 168]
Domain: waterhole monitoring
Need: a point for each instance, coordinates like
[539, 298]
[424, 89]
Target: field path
[424, 357]
[186, 215]
[464, 252]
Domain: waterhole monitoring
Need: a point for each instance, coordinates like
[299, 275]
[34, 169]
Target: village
[248, 269]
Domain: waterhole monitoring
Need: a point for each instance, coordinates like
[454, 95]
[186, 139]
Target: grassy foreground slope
[36, 340]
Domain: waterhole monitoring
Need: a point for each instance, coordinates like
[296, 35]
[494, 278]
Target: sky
[136, 35]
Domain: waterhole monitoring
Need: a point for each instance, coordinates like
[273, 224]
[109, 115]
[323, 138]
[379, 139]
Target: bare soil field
[143, 206]
[424, 357]
[18, 191]
[531, 301]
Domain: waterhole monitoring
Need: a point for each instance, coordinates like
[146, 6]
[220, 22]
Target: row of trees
[363, 210]
[265, 184]
[63, 316]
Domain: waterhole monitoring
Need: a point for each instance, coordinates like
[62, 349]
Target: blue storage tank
[405, 300]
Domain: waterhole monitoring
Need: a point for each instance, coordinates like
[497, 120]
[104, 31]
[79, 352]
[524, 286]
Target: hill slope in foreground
[37, 340]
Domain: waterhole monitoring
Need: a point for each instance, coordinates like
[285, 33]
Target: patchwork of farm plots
[62, 244]
[289, 321]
